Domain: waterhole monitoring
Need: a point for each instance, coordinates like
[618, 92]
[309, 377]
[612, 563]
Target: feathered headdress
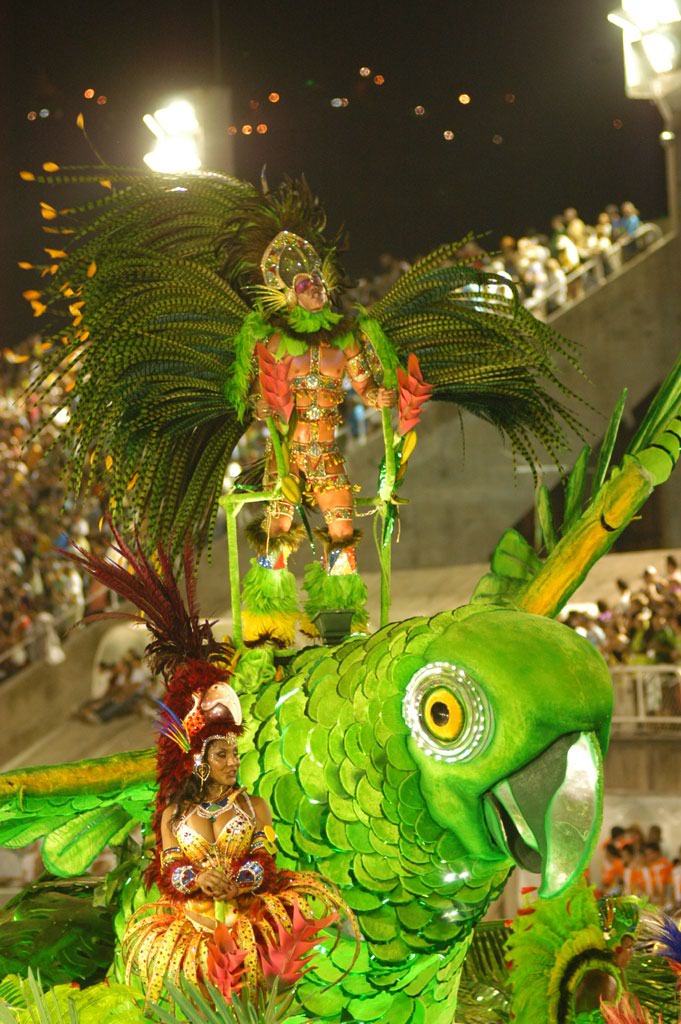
[200, 702]
[269, 238]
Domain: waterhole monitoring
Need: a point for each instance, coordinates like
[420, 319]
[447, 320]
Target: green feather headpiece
[290, 213]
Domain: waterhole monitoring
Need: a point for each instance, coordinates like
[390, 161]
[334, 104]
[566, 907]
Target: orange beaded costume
[170, 938]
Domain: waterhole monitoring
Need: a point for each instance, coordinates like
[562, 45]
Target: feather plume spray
[628, 1011]
[171, 726]
[178, 633]
[666, 935]
[143, 330]
[481, 349]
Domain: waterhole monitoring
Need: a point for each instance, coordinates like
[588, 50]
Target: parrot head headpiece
[214, 713]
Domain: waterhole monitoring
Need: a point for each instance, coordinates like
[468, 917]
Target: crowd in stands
[643, 625]
[42, 594]
[638, 864]
[130, 689]
[540, 263]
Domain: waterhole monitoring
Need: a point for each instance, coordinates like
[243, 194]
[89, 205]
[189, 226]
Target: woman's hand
[386, 398]
[216, 884]
[229, 891]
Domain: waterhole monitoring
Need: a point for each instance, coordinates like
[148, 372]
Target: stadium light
[651, 36]
[177, 137]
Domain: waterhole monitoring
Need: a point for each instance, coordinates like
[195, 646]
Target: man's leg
[334, 583]
[269, 596]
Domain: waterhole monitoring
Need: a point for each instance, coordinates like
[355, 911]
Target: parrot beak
[547, 815]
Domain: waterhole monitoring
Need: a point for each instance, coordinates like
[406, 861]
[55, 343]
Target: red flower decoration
[274, 380]
[413, 394]
[290, 958]
[225, 962]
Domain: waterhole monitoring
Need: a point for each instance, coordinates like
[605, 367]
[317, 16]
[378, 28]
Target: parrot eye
[447, 712]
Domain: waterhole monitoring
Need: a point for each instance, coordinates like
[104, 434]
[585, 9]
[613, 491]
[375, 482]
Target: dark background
[387, 174]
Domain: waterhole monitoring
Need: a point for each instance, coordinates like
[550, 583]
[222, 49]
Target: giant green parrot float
[412, 768]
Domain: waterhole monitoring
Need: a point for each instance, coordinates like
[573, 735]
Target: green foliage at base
[266, 1008]
[64, 1004]
[54, 926]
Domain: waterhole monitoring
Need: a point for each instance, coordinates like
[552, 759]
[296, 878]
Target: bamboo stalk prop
[598, 528]
[384, 541]
[649, 461]
[413, 393]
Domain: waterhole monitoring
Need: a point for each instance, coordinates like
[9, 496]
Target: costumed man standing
[316, 365]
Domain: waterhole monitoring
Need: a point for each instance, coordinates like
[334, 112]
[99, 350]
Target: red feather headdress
[196, 667]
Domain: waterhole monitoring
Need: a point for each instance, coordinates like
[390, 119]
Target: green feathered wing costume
[155, 309]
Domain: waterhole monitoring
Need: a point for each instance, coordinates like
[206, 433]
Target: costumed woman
[214, 857]
[569, 955]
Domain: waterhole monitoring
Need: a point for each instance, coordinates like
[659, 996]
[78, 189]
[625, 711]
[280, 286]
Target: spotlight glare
[274, 97]
[365, 72]
[661, 51]
[261, 129]
[44, 112]
[247, 129]
[176, 129]
[31, 115]
[419, 111]
[379, 79]
[464, 98]
[88, 94]
[448, 135]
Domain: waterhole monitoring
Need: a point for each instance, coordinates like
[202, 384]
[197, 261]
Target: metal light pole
[651, 36]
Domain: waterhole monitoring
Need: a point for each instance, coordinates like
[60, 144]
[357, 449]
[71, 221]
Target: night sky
[388, 174]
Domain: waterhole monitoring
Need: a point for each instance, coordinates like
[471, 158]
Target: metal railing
[647, 699]
[594, 272]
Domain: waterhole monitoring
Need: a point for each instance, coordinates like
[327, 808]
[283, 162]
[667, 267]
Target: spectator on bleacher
[660, 872]
[556, 285]
[673, 575]
[630, 220]
[577, 231]
[613, 212]
[629, 224]
[612, 880]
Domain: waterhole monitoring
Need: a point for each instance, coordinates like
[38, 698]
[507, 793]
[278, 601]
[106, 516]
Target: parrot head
[415, 767]
[507, 721]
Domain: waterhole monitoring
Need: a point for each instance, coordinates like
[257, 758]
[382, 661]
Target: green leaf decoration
[71, 848]
[576, 487]
[514, 562]
[608, 445]
[661, 410]
[545, 517]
